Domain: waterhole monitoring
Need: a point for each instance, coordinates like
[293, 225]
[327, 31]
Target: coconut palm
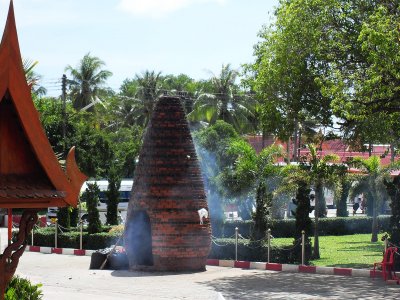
[149, 85]
[88, 79]
[371, 181]
[32, 78]
[224, 103]
[138, 97]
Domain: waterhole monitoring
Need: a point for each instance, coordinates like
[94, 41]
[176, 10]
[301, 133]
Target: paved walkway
[68, 277]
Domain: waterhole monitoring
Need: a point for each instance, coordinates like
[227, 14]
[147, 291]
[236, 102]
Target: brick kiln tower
[163, 231]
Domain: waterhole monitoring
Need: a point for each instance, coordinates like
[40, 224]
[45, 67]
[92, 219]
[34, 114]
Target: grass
[348, 251]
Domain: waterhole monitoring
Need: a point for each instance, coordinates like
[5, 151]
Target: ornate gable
[30, 174]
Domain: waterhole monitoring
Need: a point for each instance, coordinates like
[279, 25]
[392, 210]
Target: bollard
[236, 243]
[33, 228]
[302, 246]
[55, 234]
[269, 241]
[80, 241]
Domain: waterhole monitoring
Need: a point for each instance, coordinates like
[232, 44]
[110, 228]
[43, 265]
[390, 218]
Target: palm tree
[137, 98]
[148, 91]
[371, 181]
[322, 174]
[224, 103]
[87, 81]
[32, 78]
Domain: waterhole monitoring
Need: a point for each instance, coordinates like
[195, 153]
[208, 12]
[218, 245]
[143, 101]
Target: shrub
[22, 289]
[225, 249]
[327, 226]
[45, 237]
[118, 229]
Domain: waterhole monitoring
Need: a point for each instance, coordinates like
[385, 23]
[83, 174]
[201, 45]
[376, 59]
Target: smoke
[209, 169]
[138, 240]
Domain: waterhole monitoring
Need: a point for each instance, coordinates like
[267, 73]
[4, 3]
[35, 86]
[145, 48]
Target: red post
[9, 225]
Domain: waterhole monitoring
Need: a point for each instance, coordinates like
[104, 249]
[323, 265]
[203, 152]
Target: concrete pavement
[68, 277]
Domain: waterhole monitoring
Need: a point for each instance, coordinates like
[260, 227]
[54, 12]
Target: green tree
[297, 178]
[32, 78]
[362, 85]
[210, 144]
[87, 83]
[91, 197]
[371, 181]
[262, 214]
[97, 149]
[284, 75]
[322, 173]
[63, 217]
[345, 185]
[149, 89]
[224, 102]
[393, 188]
[246, 171]
[112, 194]
[125, 147]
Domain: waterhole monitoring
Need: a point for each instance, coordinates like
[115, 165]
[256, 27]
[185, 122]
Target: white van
[124, 195]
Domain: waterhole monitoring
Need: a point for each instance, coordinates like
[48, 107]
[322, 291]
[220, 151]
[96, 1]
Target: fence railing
[260, 243]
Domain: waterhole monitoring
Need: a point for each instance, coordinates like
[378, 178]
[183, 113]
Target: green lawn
[349, 251]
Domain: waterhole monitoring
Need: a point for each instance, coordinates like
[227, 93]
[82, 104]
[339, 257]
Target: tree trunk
[392, 153]
[295, 139]
[374, 237]
[318, 195]
[263, 138]
[288, 150]
[342, 203]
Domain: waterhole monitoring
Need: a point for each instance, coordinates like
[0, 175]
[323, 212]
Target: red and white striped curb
[238, 264]
[67, 251]
[294, 268]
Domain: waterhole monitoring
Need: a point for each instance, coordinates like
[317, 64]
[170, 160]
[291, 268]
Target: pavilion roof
[30, 174]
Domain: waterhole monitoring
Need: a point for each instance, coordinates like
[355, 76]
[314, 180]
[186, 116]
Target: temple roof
[30, 174]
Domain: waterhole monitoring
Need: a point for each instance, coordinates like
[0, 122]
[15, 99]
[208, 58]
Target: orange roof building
[30, 174]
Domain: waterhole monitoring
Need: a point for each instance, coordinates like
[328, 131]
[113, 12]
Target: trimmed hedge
[327, 226]
[45, 237]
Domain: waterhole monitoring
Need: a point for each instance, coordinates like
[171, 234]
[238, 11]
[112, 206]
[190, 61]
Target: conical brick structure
[163, 230]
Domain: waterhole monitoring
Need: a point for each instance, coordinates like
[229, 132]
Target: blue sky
[172, 36]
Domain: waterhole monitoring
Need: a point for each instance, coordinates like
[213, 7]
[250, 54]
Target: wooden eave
[12, 81]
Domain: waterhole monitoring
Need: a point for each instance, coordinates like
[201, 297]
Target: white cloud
[159, 8]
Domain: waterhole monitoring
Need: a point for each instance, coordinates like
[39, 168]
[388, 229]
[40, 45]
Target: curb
[294, 268]
[238, 264]
[65, 251]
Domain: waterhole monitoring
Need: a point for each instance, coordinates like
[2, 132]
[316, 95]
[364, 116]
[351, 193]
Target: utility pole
[64, 110]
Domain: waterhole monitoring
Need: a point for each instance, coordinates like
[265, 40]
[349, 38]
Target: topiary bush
[91, 197]
[22, 289]
[112, 193]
